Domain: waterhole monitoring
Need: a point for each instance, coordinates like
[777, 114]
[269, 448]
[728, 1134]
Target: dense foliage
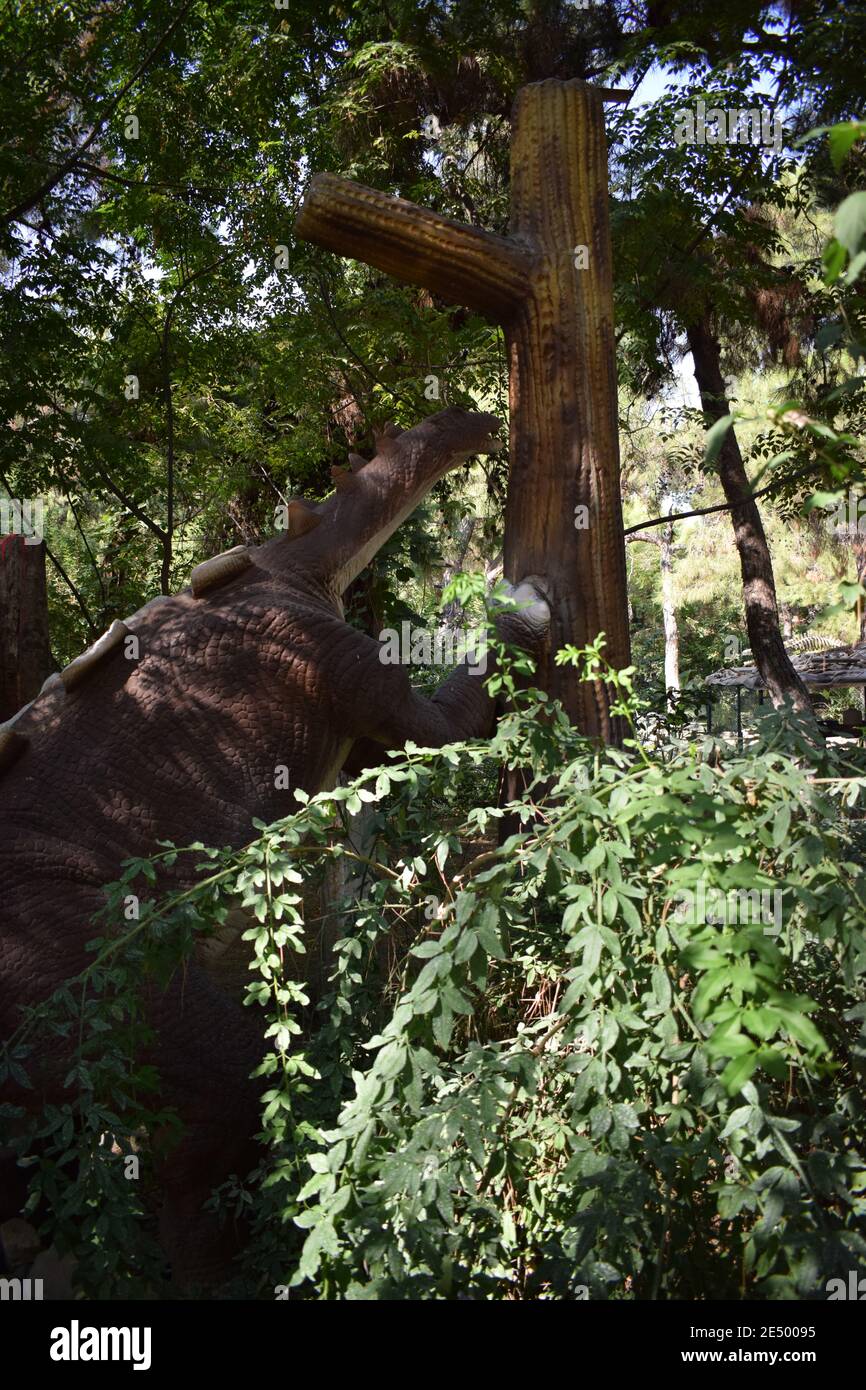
[531, 1074]
[158, 256]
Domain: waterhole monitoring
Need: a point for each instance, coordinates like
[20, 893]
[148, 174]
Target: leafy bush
[533, 1073]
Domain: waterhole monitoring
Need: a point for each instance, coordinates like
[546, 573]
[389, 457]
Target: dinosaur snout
[526, 602]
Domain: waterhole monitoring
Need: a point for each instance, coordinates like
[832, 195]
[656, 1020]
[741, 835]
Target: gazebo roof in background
[834, 667]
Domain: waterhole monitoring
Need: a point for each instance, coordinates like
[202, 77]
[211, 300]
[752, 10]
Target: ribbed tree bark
[564, 427]
[756, 566]
[25, 651]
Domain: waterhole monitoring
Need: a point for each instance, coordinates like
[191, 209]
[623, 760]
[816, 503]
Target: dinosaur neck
[334, 540]
[364, 512]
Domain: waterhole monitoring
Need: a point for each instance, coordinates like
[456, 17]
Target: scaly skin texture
[181, 743]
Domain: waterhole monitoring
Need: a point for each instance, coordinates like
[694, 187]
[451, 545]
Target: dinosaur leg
[207, 1047]
[461, 708]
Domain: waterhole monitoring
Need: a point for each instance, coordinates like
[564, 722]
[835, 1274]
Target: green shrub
[553, 1084]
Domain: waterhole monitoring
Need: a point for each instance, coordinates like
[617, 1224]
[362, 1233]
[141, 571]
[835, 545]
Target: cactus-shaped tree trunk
[549, 285]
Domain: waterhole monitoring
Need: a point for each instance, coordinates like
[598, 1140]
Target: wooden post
[549, 284]
[25, 653]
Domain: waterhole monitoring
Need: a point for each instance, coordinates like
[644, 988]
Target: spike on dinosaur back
[357, 462]
[219, 570]
[386, 438]
[81, 667]
[300, 518]
[342, 477]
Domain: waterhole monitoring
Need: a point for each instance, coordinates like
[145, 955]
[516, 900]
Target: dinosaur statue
[171, 727]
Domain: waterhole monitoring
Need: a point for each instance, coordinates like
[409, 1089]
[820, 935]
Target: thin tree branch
[91, 625]
[197, 190]
[92, 557]
[131, 506]
[721, 506]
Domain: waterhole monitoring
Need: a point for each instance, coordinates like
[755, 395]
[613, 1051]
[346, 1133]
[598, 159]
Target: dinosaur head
[334, 540]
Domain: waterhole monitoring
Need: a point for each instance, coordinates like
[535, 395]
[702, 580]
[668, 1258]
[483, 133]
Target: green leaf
[426, 950]
[827, 336]
[489, 937]
[455, 999]
[781, 825]
[574, 994]
[466, 946]
[661, 987]
[804, 1030]
[715, 438]
[594, 859]
[850, 593]
[630, 913]
[841, 138]
[855, 270]
[850, 223]
[709, 987]
[833, 260]
[737, 1120]
[774, 1062]
[443, 1026]
[738, 1071]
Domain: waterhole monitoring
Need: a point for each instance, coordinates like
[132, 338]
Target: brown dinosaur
[171, 728]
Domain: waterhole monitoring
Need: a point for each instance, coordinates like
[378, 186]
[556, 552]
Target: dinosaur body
[176, 728]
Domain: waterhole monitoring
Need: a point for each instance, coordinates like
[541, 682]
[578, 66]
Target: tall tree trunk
[860, 558]
[759, 589]
[665, 545]
[669, 612]
[563, 518]
[25, 652]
